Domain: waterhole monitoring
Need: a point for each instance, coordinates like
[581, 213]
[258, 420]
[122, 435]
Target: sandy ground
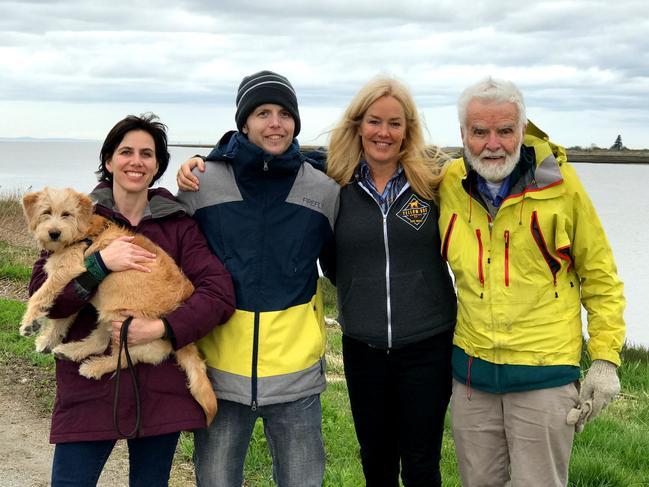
[25, 453]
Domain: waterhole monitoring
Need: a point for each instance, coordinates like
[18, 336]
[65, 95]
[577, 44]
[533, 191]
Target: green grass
[14, 271]
[329, 297]
[11, 343]
[16, 262]
[613, 450]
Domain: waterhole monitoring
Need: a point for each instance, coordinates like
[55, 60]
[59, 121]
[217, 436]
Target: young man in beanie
[268, 214]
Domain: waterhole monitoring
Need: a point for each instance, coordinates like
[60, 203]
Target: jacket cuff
[96, 271]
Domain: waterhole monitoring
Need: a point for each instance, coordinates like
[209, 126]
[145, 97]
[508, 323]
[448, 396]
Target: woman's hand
[185, 179]
[121, 255]
[140, 331]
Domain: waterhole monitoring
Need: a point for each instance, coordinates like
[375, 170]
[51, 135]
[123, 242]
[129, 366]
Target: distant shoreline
[612, 158]
[595, 156]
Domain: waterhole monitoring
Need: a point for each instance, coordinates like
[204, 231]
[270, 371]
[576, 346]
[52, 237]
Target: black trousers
[398, 399]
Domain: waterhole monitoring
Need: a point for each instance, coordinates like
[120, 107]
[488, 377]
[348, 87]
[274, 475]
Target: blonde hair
[423, 165]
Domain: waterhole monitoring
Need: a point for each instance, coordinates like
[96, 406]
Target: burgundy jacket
[83, 408]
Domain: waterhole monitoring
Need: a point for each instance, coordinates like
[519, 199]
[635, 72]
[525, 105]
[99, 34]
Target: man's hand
[185, 179]
[600, 386]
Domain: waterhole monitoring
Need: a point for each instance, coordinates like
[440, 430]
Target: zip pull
[480, 257]
[265, 165]
[253, 406]
[506, 236]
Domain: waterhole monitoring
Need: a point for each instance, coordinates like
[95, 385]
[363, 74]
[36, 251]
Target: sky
[73, 68]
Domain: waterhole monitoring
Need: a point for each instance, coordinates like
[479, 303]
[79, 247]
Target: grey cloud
[567, 55]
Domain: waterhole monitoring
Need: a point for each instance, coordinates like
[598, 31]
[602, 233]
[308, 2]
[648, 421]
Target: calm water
[34, 165]
[618, 192]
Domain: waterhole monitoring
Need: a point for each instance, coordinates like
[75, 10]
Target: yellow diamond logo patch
[414, 212]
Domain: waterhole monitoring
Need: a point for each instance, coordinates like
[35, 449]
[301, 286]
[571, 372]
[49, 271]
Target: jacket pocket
[363, 308]
[480, 269]
[553, 263]
[562, 241]
[418, 307]
[72, 389]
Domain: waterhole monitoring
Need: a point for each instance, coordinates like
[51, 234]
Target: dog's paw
[61, 356]
[59, 352]
[43, 345]
[25, 330]
[89, 370]
[46, 342]
[29, 329]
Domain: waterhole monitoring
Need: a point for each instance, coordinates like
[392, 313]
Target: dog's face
[57, 217]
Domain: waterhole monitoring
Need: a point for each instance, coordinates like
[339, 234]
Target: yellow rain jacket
[522, 276]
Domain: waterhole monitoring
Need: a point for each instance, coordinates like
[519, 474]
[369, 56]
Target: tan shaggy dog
[63, 222]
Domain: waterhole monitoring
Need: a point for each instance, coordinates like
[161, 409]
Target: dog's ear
[85, 205]
[30, 201]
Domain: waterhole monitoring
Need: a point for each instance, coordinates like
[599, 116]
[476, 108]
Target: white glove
[600, 386]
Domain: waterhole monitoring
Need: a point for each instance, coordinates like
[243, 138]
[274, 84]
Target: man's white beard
[490, 171]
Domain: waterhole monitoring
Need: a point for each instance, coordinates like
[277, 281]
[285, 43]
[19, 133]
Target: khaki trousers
[517, 439]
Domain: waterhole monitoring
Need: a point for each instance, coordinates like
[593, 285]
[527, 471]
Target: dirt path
[25, 453]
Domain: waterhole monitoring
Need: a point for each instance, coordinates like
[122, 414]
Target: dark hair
[147, 122]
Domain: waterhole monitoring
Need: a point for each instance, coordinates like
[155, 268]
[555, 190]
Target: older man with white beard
[527, 250]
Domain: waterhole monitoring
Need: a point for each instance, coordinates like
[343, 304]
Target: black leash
[123, 344]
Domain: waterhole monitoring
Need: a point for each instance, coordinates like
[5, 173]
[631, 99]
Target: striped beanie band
[265, 87]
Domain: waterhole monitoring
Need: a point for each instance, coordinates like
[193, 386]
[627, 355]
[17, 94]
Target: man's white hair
[492, 89]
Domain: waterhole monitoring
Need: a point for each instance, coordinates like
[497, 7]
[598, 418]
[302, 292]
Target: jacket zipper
[388, 304]
[255, 337]
[447, 236]
[480, 255]
[507, 258]
[255, 358]
[387, 255]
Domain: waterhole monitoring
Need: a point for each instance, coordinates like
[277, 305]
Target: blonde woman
[395, 296]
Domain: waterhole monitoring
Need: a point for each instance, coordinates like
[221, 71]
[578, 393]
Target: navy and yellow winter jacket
[268, 218]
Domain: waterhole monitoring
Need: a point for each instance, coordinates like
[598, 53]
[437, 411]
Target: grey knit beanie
[265, 87]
